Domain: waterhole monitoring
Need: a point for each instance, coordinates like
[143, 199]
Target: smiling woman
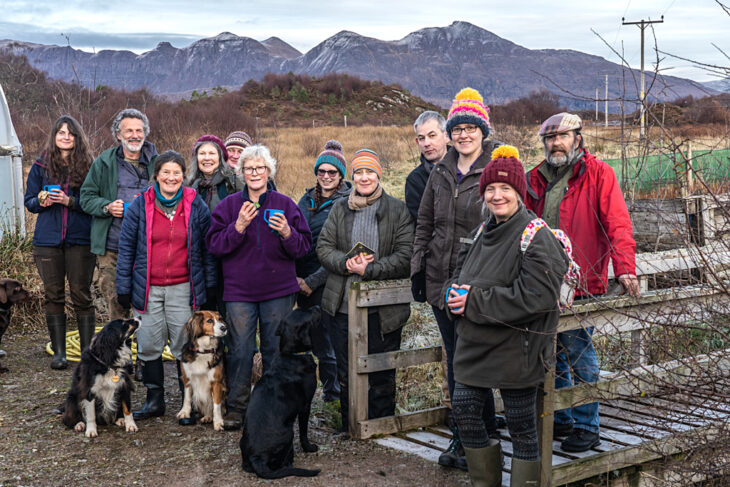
[211, 177]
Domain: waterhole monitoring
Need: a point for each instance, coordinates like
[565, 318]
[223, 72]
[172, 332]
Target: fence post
[357, 345]
[545, 417]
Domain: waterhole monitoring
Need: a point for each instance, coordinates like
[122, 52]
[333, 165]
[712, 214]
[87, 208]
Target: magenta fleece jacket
[258, 264]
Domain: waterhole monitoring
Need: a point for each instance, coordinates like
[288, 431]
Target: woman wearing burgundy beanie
[210, 175]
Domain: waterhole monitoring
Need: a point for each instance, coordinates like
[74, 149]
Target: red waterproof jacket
[594, 215]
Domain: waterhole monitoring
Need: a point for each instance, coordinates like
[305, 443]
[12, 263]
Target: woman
[164, 271]
[235, 143]
[311, 276]
[449, 210]
[62, 233]
[384, 225]
[257, 233]
[505, 301]
[210, 178]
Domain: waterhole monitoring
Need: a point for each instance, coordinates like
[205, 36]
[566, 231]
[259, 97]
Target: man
[574, 191]
[115, 178]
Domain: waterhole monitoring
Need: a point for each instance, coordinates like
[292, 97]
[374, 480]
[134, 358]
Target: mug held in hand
[459, 291]
[359, 248]
[269, 212]
[51, 187]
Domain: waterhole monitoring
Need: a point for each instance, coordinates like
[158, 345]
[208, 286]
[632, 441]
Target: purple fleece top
[258, 265]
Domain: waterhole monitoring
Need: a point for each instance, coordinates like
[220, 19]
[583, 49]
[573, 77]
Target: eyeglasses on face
[327, 172]
[254, 170]
[469, 129]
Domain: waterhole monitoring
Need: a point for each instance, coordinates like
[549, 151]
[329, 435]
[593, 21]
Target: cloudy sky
[689, 30]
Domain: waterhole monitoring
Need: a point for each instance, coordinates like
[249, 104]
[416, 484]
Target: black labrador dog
[283, 394]
[11, 293]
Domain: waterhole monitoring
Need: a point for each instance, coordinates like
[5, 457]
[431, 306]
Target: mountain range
[433, 63]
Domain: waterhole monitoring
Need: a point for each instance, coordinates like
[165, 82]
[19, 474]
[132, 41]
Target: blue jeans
[243, 320]
[575, 352]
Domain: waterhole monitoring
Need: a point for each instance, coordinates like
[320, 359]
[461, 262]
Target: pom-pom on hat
[238, 138]
[210, 139]
[332, 154]
[468, 107]
[366, 159]
[505, 167]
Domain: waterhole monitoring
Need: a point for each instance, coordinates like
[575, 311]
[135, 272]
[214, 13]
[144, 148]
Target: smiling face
[560, 149]
[329, 178]
[431, 140]
[170, 178]
[208, 158]
[502, 200]
[466, 143]
[255, 175]
[131, 136]
[234, 153]
[366, 181]
[65, 140]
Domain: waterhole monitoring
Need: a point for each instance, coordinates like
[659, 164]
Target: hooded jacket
[56, 225]
[135, 247]
[440, 233]
[511, 314]
[593, 214]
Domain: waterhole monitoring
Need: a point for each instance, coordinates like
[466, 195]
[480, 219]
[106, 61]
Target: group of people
[226, 239]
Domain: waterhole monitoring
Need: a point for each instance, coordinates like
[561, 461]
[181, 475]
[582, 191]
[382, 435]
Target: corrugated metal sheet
[12, 218]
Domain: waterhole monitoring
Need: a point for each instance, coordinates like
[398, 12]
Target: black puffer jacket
[511, 316]
[448, 212]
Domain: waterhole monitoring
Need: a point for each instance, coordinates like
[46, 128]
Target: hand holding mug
[277, 221]
[456, 298]
[245, 215]
[56, 195]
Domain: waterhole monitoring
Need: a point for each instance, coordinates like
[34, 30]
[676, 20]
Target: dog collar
[302, 353]
[209, 350]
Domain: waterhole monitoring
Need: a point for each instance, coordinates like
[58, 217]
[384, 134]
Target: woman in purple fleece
[258, 234]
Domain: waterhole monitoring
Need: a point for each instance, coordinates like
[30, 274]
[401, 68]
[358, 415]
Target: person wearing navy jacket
[61, 237]
[164, 271]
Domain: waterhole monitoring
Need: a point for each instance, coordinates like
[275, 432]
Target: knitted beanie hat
[366, 159]
[468, 107]
[238, 138]
[210, 139]
[505, 167]
[332, 154]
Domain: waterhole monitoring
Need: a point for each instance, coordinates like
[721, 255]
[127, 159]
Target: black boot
[454, 454]
[57, 331]
[184, 421]
[153, 376]
[87, 327]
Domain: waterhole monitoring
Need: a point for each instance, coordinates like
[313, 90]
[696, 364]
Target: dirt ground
[37, 450]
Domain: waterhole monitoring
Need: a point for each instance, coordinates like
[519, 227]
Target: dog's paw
[80, 426]
[183, 414]
[309, 447]
[119, 422]
[206, 419]
[91, 433]
[218, 425]
[131, 428]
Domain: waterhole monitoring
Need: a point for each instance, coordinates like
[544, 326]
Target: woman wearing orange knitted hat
[450, 209]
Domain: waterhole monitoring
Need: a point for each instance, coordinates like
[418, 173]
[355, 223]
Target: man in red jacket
[574, 191]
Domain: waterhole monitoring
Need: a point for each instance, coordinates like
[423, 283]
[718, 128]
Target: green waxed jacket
[506, 333]
[100, 189]
[395, 246]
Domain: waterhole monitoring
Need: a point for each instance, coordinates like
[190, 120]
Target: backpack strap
[529, 232]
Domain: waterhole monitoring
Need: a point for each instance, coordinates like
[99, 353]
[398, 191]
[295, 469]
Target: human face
[234, 153]
[560, 149]
[208, 158]
[431, 140]
[131, 135]
[258, 177]
[366, 181]
[467, 144]
[65, 140]
[170, 178]
[329, 178]
[502, 200]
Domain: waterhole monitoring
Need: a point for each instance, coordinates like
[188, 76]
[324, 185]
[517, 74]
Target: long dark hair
[80, 159]
[318, 194]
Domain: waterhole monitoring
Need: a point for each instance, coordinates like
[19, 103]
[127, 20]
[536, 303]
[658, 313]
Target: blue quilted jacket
[133, 271]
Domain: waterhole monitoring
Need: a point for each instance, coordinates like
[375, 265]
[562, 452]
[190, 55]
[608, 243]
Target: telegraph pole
[605, 110]
[642, 25]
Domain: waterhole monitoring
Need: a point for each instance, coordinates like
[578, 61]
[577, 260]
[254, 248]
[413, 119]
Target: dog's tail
[288, 472]
[71, 411]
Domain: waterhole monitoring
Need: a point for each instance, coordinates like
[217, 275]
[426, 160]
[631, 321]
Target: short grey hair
[256, 151]
[129, 113]
[430, 115]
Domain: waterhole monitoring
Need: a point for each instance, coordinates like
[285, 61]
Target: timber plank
[396, 360]
[643, 420]
[357, 345]
[692, 412]
[664, 413]
[401, 422]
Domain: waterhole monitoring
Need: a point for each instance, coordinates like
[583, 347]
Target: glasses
[254, 170]
[469, 129]
[327, 172]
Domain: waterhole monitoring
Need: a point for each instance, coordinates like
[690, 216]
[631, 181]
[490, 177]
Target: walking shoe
[579, 441]
[501, 422]
[561, 430]
[233, 420]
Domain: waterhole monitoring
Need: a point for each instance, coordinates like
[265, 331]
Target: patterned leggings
[520, 412]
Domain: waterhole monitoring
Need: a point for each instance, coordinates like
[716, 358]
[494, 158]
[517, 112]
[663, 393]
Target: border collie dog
[101, 387]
